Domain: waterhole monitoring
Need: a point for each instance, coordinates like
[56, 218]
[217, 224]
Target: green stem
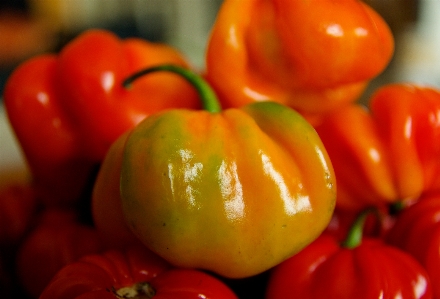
[355, 234]
[207, 95]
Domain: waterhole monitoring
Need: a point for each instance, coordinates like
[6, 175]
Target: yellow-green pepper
[232, 191]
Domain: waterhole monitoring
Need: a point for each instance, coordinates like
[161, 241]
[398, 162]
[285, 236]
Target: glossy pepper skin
[313, 56]
[133, 273]
[233, 191]
[67, 108]
[362, 267]
[388, 152]
[417, 231]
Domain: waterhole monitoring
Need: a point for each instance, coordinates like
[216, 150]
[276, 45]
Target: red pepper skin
[57, 240]
[389, 152]
[373, 269]
[18, 206]
[417, 231]
[106, 275]
[93, 68]
[67, 109]
[314, 56]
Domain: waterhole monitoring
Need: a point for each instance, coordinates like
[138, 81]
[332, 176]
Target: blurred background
[30, 27]
[416, 28]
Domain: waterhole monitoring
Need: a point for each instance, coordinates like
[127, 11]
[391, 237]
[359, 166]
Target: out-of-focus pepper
[360, 267]
[313, 56]
[67, 109]
[18, 206]
[389, 152]
[57, 239]
[233, 191]
[417, 231]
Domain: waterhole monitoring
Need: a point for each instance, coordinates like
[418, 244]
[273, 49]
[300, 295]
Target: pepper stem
[207, 95]
[355, 234]
[141, 290]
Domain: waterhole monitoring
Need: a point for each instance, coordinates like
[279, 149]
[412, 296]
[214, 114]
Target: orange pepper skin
[66, 109]
[389, 152]
[233, 192]
[106, 203]
[313, 56]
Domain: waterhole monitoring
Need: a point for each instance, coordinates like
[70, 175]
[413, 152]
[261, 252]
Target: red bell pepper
[57, 240]
[67, 109]
[417, 231]
[18, 207]
[376, 225]
[360, 267]
[133, 273]
[314, 56]
[388, 153]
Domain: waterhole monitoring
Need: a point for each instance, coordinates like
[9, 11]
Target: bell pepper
[377, 225]
[57, 239]
[133, 273]
[386, 153]
[417, 231]
[314, 56]
[67, 108]
[18, 206]
[232, 191]
[359, 267]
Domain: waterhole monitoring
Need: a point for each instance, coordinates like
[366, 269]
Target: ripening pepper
[67, 108]
[106, 208]
[314, 56]
[359, 267]
[388, 152]
[232, 191]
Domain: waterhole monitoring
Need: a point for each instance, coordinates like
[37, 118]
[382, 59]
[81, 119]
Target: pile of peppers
[260, 176]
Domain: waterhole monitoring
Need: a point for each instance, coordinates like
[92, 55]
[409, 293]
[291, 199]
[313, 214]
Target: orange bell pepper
[388, 153]
[313, 56]
[66, 109]
[232, 191]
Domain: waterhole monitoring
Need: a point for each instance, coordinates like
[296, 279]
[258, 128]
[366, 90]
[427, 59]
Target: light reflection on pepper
[292, 205]
[231, 190]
